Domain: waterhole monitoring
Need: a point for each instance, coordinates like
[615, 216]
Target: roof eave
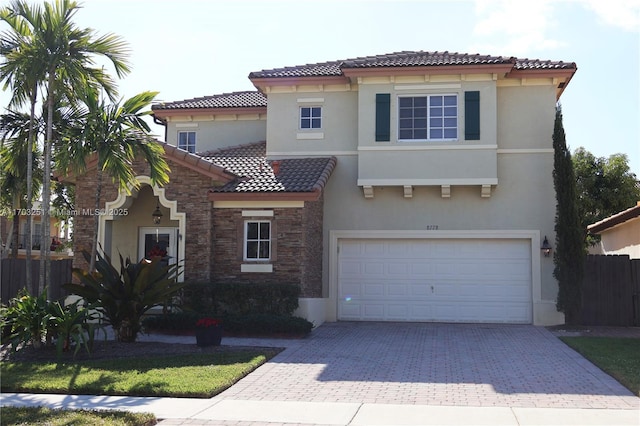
[182, 112]
[265, 196]
[261, 82]
[615, 220]
[429, 70]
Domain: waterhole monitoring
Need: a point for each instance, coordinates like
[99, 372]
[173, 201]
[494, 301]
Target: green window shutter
[383, 117]
[472, 115]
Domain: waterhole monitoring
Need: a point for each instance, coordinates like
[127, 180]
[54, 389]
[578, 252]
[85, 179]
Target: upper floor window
[257, 240]
[311, 117]
[187, 141]
[429, 117]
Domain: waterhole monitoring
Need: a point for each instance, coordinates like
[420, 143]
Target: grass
[618, 357]
[193, 375]
[41, 416]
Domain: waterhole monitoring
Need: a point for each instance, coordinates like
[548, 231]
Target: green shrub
[240, 298]
[265, 324]
[171, 321]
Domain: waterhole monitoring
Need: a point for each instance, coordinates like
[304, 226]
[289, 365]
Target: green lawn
[40, 416]
[193, 375]
[618, 357]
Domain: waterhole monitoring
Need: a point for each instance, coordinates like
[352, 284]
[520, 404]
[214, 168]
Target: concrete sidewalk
[218, 411]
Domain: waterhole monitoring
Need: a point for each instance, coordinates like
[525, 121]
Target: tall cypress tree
[569, 255]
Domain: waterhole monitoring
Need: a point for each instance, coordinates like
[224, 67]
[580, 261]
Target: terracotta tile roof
[247, 99]
[616, 219]
[257, 174]
[407, 59]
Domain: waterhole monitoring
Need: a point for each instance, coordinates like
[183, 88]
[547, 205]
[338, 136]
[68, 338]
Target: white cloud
[514, 27]
[623, 14]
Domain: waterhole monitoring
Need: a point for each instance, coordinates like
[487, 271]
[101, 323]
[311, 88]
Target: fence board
[13, 277]
[609, 292]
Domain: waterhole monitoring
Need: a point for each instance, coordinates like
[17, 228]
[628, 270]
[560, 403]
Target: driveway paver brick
[434, 364]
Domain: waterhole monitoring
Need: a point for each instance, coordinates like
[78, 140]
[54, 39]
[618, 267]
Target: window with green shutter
[383, 117]
[472, 115]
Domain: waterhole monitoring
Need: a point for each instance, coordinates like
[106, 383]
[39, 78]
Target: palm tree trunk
[14, 233]
[96, 220]
[28, 226]
[45, 262]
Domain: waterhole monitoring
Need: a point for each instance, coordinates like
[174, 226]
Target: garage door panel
[458, 280]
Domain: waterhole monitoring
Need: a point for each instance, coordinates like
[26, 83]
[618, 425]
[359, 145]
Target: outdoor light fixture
[157, 215]
[546, 247]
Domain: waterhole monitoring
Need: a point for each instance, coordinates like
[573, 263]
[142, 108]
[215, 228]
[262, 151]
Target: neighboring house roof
[408, 59]
[246, 99]
[615, 220]
[304, 177]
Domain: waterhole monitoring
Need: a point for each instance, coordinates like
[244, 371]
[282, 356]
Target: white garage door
[447, 280]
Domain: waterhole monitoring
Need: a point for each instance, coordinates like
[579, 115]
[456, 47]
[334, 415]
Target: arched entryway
[127, 227]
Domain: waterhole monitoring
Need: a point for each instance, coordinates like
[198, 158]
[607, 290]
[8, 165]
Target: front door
[158, 242]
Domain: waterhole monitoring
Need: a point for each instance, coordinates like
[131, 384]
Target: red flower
[208, 322]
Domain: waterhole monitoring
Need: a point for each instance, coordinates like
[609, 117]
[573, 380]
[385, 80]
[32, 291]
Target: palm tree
[65, 57]
[118, 134]
[14, 153]
[20, 71]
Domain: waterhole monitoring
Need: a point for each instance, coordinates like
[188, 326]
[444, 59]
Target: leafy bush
[251, 324]
[123, 297]
[171, 321]
[261, 324]
[241, 298]
[72, 325]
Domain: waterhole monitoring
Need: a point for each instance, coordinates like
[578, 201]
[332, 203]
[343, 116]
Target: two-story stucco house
[413, 186]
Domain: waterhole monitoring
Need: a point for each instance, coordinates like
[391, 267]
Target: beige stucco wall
[219, 133]
[125, 228]
[622, 239]
[339, 123]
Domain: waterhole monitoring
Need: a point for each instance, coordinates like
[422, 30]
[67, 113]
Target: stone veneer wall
[187, 187]
[297, 248]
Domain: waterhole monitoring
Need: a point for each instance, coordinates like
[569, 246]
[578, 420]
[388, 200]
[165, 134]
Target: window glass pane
[192, 138]
[265, 230]
[305, 124]
[264, 250]
[436, 101]
[182, 138]
[450, 133]
[405, 134]
[450, 111]
[305, 112]
[436, 122]
[406, 123]
[420, 134]
[420, 123]
[315, 123]
[420, 112]
[406, 113]
[436, 134]
[315, 112]
[450, 122]
[450, 100]
[252, 250]
[406, 102]
[252, 230]
[420, 102]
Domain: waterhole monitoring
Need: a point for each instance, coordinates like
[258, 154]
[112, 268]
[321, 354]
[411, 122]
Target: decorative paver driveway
[434, 364]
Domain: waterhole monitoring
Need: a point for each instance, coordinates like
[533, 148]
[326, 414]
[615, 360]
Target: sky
[189, 48]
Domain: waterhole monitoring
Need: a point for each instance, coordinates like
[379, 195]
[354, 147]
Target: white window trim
[429, 95]
[195, 140]
[310, 129]
[246, 241]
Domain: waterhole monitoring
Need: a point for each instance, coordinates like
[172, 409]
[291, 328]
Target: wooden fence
[13, 277]
[611, 291]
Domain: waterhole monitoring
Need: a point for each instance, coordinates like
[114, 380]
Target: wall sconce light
[546, 247]
[157, 215]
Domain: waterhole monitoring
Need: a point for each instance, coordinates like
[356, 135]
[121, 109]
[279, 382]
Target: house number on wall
[432, 227]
